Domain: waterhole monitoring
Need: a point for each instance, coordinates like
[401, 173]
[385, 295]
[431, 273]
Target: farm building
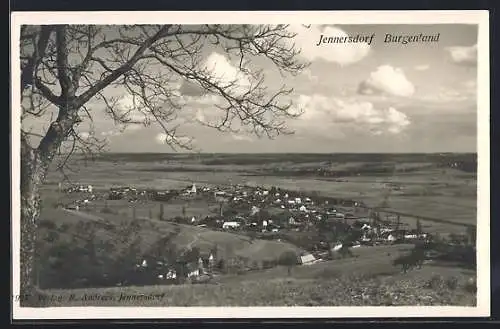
[307, 259]
[227, 225]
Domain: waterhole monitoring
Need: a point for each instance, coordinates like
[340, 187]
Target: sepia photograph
[224, 165]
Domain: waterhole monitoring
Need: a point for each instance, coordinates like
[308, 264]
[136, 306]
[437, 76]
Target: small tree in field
[162, 211]
[288, 259]
[471, 235]
[183, 211]
[419, 227]
[70, 74]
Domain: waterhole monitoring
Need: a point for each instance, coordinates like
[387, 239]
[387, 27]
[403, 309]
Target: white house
[366, 227]
[291, 201]
[307, 259]
[194, 273]
[298, 200]
[171, 275]
[191, 189]
[264, 223]
[337, 247]
[227, 225]
[303, 208]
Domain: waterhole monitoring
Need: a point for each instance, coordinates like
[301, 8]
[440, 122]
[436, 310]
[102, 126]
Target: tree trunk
[32, 176]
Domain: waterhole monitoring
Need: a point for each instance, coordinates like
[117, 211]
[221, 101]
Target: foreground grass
[423, 287]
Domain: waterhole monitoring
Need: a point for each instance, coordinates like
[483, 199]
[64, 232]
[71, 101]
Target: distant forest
[263, 158]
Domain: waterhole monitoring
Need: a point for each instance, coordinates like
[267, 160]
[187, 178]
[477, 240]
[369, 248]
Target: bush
[471, 286]
[452, 283]
[107, 210]
[64, 227]
[436, 282]
[48, 224]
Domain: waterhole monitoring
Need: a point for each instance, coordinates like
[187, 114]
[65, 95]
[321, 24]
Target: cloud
[84, 135]
[242, 137]
[463, 55]
[308, 74]
[340, 53]
[387, 80]
[446, 95]
[423, 67]
[163, 138]
[226, 74]
[324, 114]
[220, 71]
[110, 133]
[471, 84]
[132, 110]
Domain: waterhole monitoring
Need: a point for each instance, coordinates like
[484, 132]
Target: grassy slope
[369, 279]
[151, 230]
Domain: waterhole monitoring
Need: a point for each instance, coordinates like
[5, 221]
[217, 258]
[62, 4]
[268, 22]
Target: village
[323, 227]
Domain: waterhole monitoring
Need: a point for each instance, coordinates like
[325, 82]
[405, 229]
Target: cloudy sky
[383, 97]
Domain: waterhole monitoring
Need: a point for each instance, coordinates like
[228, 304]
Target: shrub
[64, 227]
[436, 282]
[45, 223]
[471, 286]
[452, 283]
[107, 210]
[288, 259]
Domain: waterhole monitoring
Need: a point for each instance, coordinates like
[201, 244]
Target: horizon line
[312, 153]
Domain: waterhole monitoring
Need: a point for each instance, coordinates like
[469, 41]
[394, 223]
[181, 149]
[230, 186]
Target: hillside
[78, 249]
[315, 285]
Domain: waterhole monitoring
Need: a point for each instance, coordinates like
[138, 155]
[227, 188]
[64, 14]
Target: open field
[444, 198]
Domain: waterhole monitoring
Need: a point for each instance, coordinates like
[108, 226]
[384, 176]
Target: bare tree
[73, 72]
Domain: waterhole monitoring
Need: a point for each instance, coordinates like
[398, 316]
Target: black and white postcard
[250, 164]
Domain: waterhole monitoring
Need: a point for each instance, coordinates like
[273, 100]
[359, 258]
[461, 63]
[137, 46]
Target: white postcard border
[480, 17]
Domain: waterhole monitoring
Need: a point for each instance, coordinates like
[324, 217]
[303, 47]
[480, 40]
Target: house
[193, 273]
[307, 259]
[303, 208]
[171, 275]
[390, 238]
[227, 225]
[337, 247]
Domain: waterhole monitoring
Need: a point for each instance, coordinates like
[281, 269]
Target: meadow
[443, 197]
